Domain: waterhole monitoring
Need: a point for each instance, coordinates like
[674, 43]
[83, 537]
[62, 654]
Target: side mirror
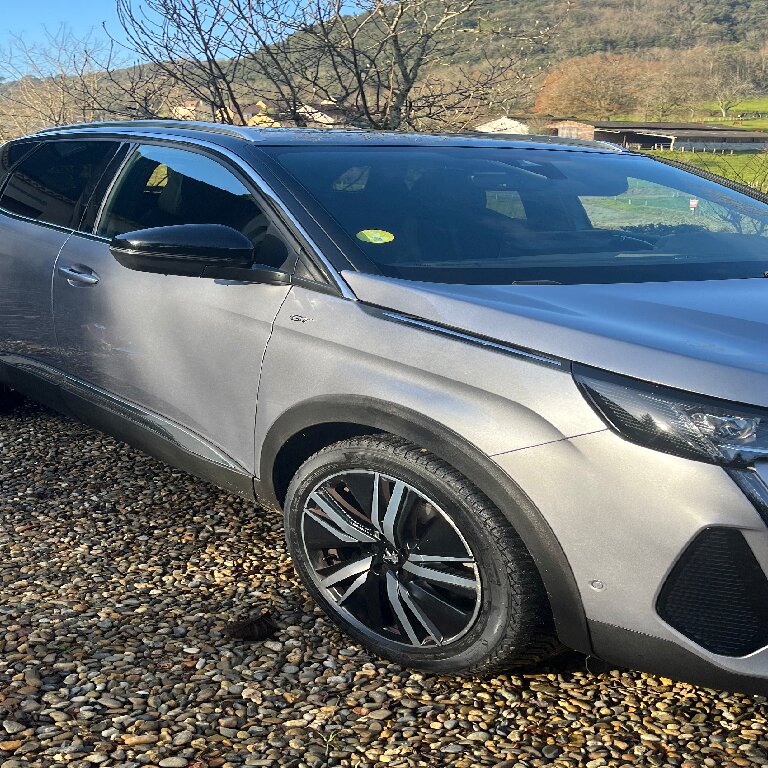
[194, 250]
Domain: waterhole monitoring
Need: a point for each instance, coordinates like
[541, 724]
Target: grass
[749, 168]
[709, 112]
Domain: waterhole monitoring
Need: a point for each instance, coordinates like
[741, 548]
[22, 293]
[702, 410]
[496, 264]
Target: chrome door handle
[76, 276]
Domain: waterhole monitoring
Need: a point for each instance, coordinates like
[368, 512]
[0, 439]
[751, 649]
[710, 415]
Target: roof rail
[237, 131]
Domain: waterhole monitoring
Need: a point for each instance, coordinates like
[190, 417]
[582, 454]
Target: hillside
[655, 58]
[626, 26]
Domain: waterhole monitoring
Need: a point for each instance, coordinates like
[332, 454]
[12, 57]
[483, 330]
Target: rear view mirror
[194, 250]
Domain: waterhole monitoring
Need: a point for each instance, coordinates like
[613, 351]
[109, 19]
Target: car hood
[709, 337]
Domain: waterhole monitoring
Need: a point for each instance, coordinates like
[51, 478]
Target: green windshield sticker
[377, 236]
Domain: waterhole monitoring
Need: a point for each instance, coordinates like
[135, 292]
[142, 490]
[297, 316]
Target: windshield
[496, 215]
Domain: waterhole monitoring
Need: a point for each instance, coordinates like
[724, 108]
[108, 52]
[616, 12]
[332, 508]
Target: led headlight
[668, 420]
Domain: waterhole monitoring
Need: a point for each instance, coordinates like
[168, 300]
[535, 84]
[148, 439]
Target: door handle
[77, 276]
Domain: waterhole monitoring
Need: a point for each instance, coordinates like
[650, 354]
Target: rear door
[43, 197]
[181, 354]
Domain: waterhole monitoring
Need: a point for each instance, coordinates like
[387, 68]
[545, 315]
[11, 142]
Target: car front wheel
[405, 555]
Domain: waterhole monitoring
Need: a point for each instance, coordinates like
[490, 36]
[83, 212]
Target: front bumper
[625, 516]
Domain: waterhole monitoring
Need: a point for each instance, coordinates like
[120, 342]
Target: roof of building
[662, 126]
[691, 133]
[681, 130]
[305, 136]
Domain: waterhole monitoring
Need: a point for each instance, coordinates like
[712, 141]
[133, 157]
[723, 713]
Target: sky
[29, 17]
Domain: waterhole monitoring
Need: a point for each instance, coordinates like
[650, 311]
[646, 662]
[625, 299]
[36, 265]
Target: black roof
[307, 136]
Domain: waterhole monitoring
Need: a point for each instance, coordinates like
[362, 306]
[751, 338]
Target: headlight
[668, 420]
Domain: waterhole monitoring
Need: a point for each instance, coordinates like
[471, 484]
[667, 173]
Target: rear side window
[53, 183]
[11, 154]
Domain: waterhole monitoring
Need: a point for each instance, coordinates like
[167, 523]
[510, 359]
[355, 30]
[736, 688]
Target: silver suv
[512, 394]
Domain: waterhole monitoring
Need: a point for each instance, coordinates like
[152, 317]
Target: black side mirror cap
[194, 250]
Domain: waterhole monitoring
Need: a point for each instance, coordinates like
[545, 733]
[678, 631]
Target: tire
[425, 571]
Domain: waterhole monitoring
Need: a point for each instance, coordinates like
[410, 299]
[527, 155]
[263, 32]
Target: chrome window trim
[46, 224]
[479, 341]
[243, 167]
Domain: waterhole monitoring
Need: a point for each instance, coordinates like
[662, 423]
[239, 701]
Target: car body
[608, 409]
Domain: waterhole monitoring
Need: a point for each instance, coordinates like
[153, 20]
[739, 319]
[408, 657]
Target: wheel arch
[310, 426]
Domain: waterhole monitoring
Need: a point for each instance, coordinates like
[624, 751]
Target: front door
[185, 351]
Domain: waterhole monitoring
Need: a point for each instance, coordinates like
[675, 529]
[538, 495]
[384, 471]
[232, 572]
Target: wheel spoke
[421, 616]
[440, 537]
[375, 495]
[338, 536]
[417, 558]
[432, 574]
[354, 586]
[394, 506]
[373, 600]
[320, 534]
[362, 486]
[336, 517]
[444, 614]
[354, 568]
[393, 593]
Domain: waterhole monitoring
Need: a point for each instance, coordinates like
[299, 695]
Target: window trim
[72, 228]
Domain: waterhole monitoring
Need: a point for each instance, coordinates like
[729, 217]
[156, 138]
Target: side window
[162, 186]
[53, 183]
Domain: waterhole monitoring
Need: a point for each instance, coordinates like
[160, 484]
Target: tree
[725, 77]
[600, 85]
[384, 64]
[667, 86]
[66, 78]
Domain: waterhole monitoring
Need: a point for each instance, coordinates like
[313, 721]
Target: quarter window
[162, 186]
[53, 183]
[11, 154]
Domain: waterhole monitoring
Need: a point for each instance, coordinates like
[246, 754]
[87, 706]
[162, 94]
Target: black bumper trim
[627, 648]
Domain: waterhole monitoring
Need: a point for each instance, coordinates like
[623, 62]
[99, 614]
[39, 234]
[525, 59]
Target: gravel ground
[117, 576]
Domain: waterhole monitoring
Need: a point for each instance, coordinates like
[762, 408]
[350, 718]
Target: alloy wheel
[390, 560]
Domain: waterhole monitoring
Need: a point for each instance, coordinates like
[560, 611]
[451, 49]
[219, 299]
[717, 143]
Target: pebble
[118, 576]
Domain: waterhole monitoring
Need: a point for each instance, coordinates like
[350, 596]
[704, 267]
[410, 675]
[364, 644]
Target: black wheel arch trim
[381, 416]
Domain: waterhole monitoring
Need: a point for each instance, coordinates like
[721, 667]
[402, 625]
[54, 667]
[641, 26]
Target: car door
[47, 186]
[182, 355]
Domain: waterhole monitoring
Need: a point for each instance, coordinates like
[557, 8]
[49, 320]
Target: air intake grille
[717, 594]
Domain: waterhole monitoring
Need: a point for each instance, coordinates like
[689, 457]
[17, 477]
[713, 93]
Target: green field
[709, 112]
[759, 104]
[745, 167]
